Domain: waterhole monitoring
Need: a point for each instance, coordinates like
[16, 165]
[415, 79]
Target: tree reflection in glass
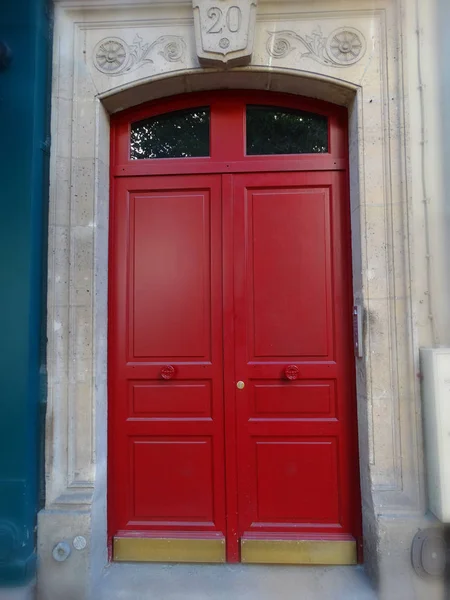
[274, 130]
[184, 133]
[270, 130]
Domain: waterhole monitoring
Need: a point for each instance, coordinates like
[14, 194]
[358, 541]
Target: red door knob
[291, 372]
[167, 372]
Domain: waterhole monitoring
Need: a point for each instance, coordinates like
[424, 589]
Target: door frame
[122, 166]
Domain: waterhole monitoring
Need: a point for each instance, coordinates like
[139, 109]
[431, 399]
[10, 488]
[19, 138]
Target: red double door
[232, 418]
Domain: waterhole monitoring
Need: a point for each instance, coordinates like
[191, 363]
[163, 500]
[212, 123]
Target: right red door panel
[294, 415]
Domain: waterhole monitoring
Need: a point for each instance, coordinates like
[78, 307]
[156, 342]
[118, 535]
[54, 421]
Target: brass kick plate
[171, 550]
[299, 552]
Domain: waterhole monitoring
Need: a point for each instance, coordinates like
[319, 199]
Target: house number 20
[233, 19]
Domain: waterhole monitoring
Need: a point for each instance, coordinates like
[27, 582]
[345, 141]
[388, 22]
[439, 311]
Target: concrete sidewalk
[232, 582]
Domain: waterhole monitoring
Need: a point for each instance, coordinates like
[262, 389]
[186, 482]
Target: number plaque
[225, 31]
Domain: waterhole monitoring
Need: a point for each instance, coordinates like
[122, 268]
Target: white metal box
[435, 368]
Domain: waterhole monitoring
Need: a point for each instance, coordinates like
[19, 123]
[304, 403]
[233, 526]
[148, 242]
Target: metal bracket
[358, 330]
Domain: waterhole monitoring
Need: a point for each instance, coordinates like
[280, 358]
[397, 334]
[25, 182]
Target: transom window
[179, 134]
[267, 130]
[274, 130]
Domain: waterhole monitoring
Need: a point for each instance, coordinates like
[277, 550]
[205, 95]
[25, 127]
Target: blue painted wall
[24, 93]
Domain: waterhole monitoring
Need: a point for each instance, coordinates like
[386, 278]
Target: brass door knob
[240, 385]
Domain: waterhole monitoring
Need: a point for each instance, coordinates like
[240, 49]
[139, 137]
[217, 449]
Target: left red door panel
[165, 358]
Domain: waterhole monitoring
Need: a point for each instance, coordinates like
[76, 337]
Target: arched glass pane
[274, 130]
[184, 133]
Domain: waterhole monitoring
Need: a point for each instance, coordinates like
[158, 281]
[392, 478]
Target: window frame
[228, 135]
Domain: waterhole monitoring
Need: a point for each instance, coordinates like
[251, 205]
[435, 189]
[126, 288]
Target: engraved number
[233, 19]
[215, 13]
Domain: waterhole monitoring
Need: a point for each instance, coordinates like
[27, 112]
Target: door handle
[240, 385]
[291, 372]
[167, 372]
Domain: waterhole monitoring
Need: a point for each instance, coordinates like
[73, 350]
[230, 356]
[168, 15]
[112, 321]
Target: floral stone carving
[113, 56]
[342, 48]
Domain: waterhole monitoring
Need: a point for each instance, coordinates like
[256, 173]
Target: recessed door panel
[280, 465]
[294, 399]
[155, 399]
[172, 479]
[171, 254]
[288, 239]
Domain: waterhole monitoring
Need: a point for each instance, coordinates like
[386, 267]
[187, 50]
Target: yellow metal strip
[299, 552]
[175, 550]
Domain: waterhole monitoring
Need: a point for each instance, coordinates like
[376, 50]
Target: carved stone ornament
[224, 31]
[113, 56]
[342, 48]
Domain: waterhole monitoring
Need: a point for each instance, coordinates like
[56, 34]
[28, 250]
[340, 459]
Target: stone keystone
[224, 31]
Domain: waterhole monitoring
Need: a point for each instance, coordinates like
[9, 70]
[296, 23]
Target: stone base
[68, 579]
[387, 560]
[396, 578]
